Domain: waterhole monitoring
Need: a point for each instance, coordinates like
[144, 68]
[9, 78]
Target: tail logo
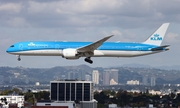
[156, 37]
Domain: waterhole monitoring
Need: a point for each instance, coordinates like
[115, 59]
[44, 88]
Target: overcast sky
[88, 20]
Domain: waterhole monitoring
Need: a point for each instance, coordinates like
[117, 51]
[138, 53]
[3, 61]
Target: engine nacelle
[70, 54]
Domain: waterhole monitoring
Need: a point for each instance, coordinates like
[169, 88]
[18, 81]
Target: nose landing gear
[88, 59]
[19, 59]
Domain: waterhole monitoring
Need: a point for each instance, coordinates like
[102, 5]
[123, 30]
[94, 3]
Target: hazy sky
[88, 20]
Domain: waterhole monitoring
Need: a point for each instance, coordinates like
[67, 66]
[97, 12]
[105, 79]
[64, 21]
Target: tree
[42, 95]
[29, 97]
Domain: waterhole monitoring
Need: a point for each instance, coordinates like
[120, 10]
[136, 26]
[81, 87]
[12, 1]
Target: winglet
[157, 37]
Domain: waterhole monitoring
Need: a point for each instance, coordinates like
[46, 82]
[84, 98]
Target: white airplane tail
[157, 37]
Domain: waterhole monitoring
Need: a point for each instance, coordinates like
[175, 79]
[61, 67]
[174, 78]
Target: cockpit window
[12, 46]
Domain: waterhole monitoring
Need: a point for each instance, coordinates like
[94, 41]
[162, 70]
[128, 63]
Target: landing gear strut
[88, 59]
[19, 59]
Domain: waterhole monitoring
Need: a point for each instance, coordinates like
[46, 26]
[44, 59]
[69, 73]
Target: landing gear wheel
[88, 59]
[19, 59]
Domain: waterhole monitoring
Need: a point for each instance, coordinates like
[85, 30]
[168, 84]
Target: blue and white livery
[100, 48]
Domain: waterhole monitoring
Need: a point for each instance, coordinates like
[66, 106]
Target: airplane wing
[160, 48]
[93, 46]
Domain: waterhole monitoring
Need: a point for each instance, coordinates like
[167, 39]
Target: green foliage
[123, 99]
[6, 92]
[29, 97]
[9, 92]
[42, 95]
[100, 105]
[102, 97]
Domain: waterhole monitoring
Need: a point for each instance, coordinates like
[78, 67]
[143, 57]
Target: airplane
[100, 48]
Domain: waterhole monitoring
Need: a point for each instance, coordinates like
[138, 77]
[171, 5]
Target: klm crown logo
[156, 37]
[31, 44]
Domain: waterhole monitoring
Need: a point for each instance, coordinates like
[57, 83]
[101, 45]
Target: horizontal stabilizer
[165, 47]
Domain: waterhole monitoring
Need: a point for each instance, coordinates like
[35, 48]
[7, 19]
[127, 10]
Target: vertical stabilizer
[157, 37]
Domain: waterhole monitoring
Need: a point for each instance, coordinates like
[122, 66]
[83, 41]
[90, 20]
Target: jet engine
[70, 54]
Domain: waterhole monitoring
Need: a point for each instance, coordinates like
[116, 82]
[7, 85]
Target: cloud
[17, 22]
[3, 44]
[11, 7]
[88, 13]
[172, 38]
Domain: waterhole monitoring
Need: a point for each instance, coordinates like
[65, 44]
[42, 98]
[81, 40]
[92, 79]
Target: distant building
[112, 106]
[71, 94]
[101, 78]
[153, 92]
[62, 76]
[71, 75]
[95, 76]
[114, 74]
[54, 105]
[73, 104]
[10, 99]
[106, 77]
[133, 82]
[145, 81]
[88, 77]
[37, 83]
[112, 82]
[153, 81]
[109, 75]
[81, 75]
[88, 104]
[71, 90]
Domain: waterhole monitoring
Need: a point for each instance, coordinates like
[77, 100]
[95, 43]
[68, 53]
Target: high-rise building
[153, 81]
[95, 76]
[145, 81]
[106, 78]
[75, 75]
[71, 90]
[71, 75]
[101, 78]
[114, 75]
[88, 77]
[81, 75]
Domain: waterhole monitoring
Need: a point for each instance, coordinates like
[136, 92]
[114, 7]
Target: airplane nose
[11, 49]
[8, 50]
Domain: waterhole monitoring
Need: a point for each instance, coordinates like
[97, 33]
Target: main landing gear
[19, 59]
[88, 59]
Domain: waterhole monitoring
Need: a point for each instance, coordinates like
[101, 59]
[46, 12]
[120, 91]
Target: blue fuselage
[50, 45]
[107, 49]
